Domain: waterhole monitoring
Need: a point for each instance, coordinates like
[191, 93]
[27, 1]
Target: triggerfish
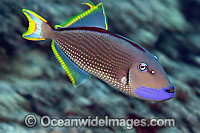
[84, 47]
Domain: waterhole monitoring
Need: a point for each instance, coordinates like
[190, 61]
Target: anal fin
[75, 74]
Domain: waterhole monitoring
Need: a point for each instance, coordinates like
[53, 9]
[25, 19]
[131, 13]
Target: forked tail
[38, 28]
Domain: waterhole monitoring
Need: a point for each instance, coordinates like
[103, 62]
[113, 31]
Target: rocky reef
[32, 81]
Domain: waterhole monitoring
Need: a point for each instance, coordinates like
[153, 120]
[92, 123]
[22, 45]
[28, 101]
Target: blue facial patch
[155, 94]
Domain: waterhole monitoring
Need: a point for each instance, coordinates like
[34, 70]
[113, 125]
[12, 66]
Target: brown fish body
[99, 52]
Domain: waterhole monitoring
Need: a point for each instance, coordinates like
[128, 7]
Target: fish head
[149, 80]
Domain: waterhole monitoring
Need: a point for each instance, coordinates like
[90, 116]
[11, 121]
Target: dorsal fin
[75, 74]
[95, 16]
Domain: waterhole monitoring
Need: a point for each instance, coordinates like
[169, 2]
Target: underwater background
[32, 81]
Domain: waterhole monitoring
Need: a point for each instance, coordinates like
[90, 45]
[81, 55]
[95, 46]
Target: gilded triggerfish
[84, 47]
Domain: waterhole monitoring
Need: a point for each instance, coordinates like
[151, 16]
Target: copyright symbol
[30, 121]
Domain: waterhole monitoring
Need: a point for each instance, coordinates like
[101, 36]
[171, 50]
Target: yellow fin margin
[82, 15]
[32, 24]
[63, 64]
[90, 4]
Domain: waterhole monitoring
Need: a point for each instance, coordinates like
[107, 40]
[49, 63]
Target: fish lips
[155, 94]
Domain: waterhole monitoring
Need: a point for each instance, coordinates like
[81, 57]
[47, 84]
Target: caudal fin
[38, 28]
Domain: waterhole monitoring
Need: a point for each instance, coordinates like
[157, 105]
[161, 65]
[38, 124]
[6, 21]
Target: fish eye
[142, 67]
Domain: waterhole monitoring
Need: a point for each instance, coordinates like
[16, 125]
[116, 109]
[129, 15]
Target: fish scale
[89, 66]
[103, 44]
[114, 60]
[116, 64]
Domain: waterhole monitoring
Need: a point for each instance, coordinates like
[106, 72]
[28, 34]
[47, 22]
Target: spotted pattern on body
[80, 48]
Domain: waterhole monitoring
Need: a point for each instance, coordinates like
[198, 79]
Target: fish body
[84, 47]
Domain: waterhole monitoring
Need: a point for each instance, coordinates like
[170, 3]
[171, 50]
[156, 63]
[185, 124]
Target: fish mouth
[171, 90]
[155, 94]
